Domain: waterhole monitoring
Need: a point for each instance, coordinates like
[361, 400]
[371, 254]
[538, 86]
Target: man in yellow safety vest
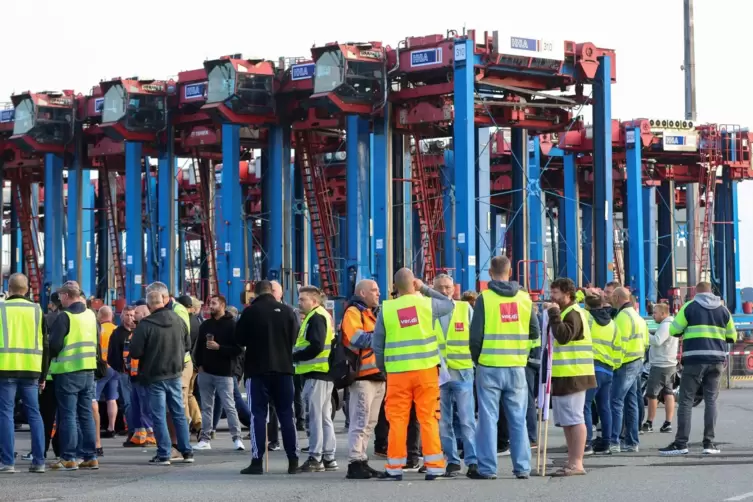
[572, 370]
[23, 364]
[75, 350]
[405, 345]
[454, 330]
[311, 357]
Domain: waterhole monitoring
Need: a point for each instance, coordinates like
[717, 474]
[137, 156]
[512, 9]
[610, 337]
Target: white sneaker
[203, 445]
[238, 444]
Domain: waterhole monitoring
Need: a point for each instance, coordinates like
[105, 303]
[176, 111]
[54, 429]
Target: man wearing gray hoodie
[706, 327]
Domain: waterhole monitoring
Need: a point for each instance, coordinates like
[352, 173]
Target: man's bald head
[104, 314]
[404, 281]
[368, 290]
[620, 296]
[18, 284]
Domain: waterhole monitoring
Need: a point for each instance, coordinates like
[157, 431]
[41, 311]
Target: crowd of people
[425, 375]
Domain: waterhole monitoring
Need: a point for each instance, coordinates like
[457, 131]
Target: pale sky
[73, 45]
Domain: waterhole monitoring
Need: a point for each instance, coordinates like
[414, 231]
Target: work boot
[312, 465]
[356, 470]
[256, 467]
[293, 465]
[374, 473]
[386, 476]
[452, 470]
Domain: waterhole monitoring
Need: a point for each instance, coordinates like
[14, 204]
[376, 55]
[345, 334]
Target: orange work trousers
[403, 390]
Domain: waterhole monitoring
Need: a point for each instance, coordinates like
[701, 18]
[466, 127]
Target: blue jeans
[603, 395]
[510, 385]
[75, 393]
[124, 391]
[624, 390]
[532, 379]
[458, 392]
[29, 389]
[168, 394]
[143, 406]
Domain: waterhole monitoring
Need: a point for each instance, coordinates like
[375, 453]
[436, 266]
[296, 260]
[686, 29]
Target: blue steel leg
[357, 203]
[734, 261]
[484, 243]
[53, 225]
[73, 214]
[16, 242]
[465, 163]
[649, 239]
[151, 268]
[277, 157]
[602, 201]
[535, 217]
[134, 230]
[381, 208]
[569, 240]
[79, 241]
[167, 197]
[448, 190]
[516, 228]
[409, 218]
[665, 255]
[587, 244]
[634, 211]
[180, 278]
[229, 220]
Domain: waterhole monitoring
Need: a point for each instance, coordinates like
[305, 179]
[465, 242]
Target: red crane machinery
[240, 91]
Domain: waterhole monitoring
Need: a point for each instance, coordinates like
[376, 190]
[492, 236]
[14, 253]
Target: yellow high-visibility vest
[575, 358]
[410, 340]
[507, 321]
[21, 336]
[80, 351]
[320, 364]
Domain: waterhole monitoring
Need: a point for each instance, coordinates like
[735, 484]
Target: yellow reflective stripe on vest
[507, 321]
[80, 351]
[575, 358]
[21, 340]
[602, 338]
[457, 349]
[411, 339]
[320, 364]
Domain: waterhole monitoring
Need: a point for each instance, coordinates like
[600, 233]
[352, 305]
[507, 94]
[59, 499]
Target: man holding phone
[215, 355]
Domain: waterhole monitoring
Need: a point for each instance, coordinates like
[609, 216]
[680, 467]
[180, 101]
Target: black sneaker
[330, 465]
[386, 476]
[357, 470]
[108, 434]
[667, 427]
[305, 449]
[473, 468]
[100, 452]
[422, 469]
[710, 448]
[275, 446]
[412, 466]
[522, 476]
[588, 450]
[312, 465]
[474, 474]
[380, 452]
[300, 426]
[293, 465]
[256, 467]
[157, 460]
[374, 473]
[188, 457]
[673, 449]
[647, 427]
[452, 470]
[503, 450]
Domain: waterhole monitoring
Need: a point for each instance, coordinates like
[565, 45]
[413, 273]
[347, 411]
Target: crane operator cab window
[243, 92]
[351, 81]
[145, 112]
[46, 124]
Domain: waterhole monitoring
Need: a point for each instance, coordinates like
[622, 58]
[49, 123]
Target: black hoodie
[160, 342]
[220, 362]
[502, 288]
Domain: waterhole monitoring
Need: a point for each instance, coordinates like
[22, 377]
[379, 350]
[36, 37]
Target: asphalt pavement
[126, 475]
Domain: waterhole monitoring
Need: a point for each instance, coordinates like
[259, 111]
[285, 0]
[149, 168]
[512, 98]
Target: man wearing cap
[75, 350]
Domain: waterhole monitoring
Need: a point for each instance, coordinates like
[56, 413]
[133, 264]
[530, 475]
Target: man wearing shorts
[572, 371]
[663, 359]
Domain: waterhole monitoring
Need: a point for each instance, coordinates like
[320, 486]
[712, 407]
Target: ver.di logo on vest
[508, 312]
[458, 326]
[407, 316]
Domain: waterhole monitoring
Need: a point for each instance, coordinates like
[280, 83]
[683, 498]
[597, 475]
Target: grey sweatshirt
[663, 351]
[440, 307]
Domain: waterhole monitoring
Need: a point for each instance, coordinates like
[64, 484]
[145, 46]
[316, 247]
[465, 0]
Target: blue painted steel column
[229, 219]
[665, 248]
[16, 242]
[448, 191]
[484, 243]
[465, 163]
[649, 239]
[516, 221]
[535, 217]
[381, 208]
[635, 276]
[53, 225]
[72, 242]
[151, 265]
[569, 240]
[273, 179]
[734, 262]
[180, 279]
[134, 249]
[88, 263]
[79, 241]
[357, 204]
[587, 245]
[167, 224]
[602, 201]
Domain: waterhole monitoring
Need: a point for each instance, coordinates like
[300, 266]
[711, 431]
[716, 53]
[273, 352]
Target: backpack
[344, 365]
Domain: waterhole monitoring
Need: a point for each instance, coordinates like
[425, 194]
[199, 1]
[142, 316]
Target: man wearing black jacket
[267, 330]
[216, 354]
[115, 361]
[160, 342]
